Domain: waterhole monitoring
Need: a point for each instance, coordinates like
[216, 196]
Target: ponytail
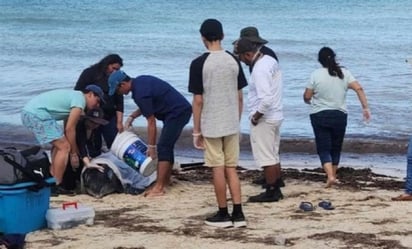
[326, 58]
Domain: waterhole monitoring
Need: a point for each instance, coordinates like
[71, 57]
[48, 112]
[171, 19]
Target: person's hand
[366, 115]
[151, 151]
[74, 160]
[255, 118]
[254, 121]
[198, 141]
[95, 166]
[120, 127]
[128, 122]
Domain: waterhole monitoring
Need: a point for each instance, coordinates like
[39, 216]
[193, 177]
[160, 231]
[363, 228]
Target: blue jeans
[329, 127]
[408, 182]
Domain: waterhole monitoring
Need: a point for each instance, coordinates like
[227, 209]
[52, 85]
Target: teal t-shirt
[329, 92]
[56, 104]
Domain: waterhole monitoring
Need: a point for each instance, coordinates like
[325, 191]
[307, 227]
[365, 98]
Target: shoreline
[19, 136]
[382, 155]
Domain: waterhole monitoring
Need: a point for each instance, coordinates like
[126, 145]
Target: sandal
[306, 206]
[327, 205]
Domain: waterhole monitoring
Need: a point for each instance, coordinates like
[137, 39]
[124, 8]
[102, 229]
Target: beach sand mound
[364, 216]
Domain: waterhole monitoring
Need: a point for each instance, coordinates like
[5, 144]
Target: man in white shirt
[266, 116]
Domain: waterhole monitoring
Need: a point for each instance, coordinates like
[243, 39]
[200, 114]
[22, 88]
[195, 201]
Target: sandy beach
[364, 215]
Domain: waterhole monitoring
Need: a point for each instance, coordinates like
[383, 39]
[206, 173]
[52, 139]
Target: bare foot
[403, 197]
[154, 193]
[330, 182]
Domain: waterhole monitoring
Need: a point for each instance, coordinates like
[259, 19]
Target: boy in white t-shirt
[216, 81]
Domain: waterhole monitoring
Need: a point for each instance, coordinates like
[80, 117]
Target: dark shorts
[172, 128]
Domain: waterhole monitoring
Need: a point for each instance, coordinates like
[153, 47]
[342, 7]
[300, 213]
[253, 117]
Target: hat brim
[257, 40]
[253, 39]
[99, 121]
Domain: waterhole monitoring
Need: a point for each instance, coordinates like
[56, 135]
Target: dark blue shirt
[156, 97]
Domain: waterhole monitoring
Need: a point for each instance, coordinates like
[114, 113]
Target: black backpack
[30, 165]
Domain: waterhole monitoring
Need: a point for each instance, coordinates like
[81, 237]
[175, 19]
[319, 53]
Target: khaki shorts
[265, 141]
[222, 151]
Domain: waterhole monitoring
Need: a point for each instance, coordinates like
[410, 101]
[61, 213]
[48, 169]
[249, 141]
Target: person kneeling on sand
[89, 142]
[40, 115]
[156, 99]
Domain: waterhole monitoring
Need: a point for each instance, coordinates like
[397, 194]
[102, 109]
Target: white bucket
[132, 150]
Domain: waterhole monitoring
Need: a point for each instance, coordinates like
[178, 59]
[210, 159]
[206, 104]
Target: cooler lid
[23, 185]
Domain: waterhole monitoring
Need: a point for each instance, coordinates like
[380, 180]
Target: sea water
[46, 44]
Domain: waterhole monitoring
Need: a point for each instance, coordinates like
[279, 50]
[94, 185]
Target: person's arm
[151, 136]
[70, 130]
[354, 85]
[119, 102]
[131, 118]
[309, 90]
[197, 106]
[241, 83]
[307, 95]
[240, 97]
[81, 141]
[70, 133]
[119, 121]
[266, 84]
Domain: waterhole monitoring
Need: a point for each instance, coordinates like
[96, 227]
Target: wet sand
[381, 155]
[11, 135]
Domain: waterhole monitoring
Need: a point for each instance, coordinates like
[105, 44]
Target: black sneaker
[219, 220]
[239, 220]
[58, 190]
[267, 196]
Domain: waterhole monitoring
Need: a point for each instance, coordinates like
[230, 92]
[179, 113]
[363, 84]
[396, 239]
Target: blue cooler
[23, 210]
